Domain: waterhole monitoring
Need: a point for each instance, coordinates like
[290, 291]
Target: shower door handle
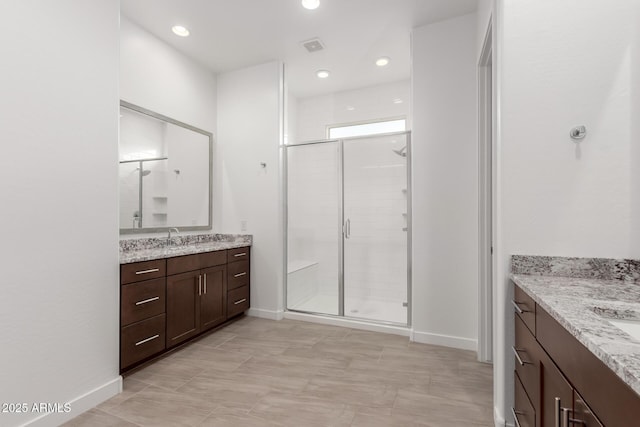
[347, 229]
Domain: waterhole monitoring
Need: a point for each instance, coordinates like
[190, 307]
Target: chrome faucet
[169, 242]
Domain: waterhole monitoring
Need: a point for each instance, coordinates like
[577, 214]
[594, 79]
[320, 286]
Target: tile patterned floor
[258, 372]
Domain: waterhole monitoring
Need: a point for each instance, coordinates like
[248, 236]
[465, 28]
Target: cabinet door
[183, 307]
[583, 416]
[213, 298]
[523, 413]
[553, 386]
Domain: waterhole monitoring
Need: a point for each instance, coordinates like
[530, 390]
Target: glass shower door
[375, 228]
[314, 218]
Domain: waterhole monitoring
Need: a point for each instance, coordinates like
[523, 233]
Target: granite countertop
[147, 249]
[583, 304]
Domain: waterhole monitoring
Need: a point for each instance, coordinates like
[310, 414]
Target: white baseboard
[266, 314]
[444, 340]
[498, 420]
[80, 404]
[347, 323]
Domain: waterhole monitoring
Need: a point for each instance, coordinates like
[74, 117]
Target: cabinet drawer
[523, 410]
[238, 254]
[211, 259]
[142, 300]
[141, 340]
[237, 301]
[526, 352]
[525, 307]
[145, 270]
[182, 264]
[237, 274]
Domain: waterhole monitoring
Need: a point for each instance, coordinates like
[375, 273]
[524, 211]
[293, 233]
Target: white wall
[59, 308]
[444, 162]
[155, 76]
[559, 67]
[249, 133]
[314, 114]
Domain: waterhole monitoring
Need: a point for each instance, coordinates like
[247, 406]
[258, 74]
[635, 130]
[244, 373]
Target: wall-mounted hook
[578, 133]
[177, 171]
[263, 165]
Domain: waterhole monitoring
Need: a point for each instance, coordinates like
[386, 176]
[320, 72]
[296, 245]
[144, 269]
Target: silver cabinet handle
[240, 301]
[147, 300]
[205, 283]
[520, 361]
[565, 417]
[517, 307]
[151, 270]
[515, 416]
[147, 340]
[199, 284]
[244, 273]
[240, 254]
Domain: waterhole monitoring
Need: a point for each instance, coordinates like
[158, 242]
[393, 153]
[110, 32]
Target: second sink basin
[631, 327]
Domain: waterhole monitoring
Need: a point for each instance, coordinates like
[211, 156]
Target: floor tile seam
[258, 418]
[107, 410]
[120, 417]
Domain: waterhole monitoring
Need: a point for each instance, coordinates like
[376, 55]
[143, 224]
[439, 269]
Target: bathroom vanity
[573, 366]
[171, 294]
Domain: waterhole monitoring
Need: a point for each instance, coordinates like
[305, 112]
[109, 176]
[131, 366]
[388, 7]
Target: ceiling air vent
[313, 45]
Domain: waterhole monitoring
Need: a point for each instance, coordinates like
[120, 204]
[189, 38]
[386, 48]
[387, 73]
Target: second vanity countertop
[582, 306]
[148, 249]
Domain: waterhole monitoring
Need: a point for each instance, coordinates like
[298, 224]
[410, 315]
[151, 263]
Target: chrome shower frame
[285, 177]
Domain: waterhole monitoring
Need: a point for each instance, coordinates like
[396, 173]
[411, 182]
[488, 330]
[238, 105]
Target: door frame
[486, 199]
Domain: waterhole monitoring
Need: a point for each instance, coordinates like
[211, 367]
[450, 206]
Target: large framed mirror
[166, 170]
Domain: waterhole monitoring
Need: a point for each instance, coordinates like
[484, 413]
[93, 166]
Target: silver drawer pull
[240, 301]
[147, 340]
[147, 300]
[241, 254]
[151, 270]
[515, 416]
[520, 361]
[517, 307]
[244, 273]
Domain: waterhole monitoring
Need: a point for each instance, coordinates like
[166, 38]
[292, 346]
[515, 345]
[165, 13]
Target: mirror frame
[158, 116]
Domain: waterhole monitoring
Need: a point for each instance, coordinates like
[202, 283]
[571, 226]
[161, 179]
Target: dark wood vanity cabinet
[238, 281]
[142, 311]
[553, 371]
[169, 301]
[196, 299]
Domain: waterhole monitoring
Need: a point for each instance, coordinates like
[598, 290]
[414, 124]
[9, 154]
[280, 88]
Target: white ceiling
[232, 34]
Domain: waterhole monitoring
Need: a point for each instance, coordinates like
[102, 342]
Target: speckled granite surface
[583, 305]
[146, 249]
[585, 268]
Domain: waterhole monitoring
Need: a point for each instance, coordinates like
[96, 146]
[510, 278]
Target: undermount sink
[631, 327]
[627, 320]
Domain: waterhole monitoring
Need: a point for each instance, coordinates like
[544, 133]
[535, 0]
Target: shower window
[368, 128]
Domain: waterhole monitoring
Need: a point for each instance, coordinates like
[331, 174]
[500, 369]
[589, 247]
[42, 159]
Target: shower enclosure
[348, 222]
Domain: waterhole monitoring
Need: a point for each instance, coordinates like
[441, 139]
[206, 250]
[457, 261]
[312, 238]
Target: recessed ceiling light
[179, 30]
[322, 74]
[350, 108]
[310, 4]
[398, 101]
[382, 61]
